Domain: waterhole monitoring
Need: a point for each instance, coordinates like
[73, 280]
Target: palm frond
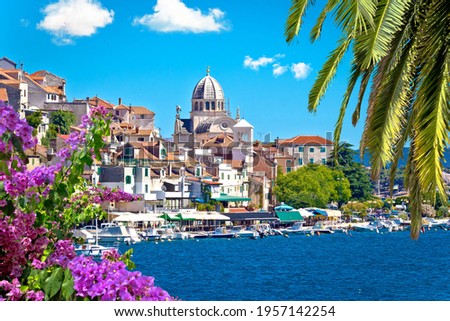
[362, 90]
[376, 43]
[295, 18]
[326, 74]
[340, 121]
[385, 123]
[317, 29]
[415, 193]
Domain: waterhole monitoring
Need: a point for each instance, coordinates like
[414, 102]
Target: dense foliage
[360, 184]
[38, 208]
[312, 186]
[400, 48]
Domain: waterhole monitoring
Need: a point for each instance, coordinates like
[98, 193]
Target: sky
[152, 53]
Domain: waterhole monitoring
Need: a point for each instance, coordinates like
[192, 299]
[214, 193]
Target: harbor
[356, 267]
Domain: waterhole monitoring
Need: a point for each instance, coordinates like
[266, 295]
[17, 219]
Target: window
[146, 172]
[322, 149]
[196, 105]
[300, 161]
[288, 169]
[311, 160]
[207, 105]
[222, 176]
[324, 161]
[213, 106]
[134, 170]
[228, 177]
[128, 179]
[201, 105]
[311, 149]
[146, 188]
[140, 139]
[301, 149]
[117, 113]
[128, 151]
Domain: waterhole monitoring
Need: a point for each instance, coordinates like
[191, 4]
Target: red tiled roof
[97, 101]
[305, 140]
[3, 94]
[137, 110]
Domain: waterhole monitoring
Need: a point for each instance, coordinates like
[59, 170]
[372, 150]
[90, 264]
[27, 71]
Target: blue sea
[360, 266]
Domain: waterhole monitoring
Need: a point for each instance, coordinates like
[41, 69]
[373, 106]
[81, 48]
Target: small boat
[120, 233]
[321, 228]
[221, 232]
[150, 234]
[242, 231]
[297, 228]
[94, 250]
[373, 226]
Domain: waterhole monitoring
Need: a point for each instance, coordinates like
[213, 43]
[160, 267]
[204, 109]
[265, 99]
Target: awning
[168, 217]
[305, 213]
[187, 217]
[230, 198]
[283, 207]
[214, 216]
[129, 217]
[289, 216]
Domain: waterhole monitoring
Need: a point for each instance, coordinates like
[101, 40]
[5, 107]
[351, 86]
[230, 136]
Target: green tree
[34, 119]
[360, 184]
[312, 186]
[62, 120]
[401, 48]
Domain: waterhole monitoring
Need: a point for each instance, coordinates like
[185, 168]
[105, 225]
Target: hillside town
[211, 157]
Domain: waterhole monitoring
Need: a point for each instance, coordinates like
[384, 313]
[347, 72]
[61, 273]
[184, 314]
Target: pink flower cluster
[14, 293]
[20, 242]
[109, 280]
[10, 122]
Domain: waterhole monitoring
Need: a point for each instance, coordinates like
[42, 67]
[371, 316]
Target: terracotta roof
[212, 183]
[65, 137]
[142, 132]
[37, 150]
[3, 94]
[97, 101]
[121, 107]
[141, 110]
[220, 140]
[237, 163]
[306, 140]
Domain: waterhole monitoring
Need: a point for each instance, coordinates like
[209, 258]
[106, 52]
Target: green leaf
[53, 283]
[67, 289]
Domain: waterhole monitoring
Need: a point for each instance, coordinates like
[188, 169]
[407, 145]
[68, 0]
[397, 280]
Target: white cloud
[174, 15]
[74, 18]
[278, 70]
[300, 70]
[254, 64]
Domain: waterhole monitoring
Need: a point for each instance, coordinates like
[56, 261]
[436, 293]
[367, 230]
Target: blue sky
[153, 52]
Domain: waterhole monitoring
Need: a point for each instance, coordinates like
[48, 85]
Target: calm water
[363, 266]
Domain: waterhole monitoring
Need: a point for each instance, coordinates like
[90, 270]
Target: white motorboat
[94, 250]
[242, 231]
[221, 232]
[322, 228]
[116, 233]
[297, 228]
[373, 226]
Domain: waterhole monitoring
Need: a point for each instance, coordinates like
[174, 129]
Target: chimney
[120, 101]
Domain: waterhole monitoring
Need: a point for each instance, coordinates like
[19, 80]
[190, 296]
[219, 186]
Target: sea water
[358, 266]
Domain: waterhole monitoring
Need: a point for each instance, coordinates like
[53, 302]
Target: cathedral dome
[208, 88]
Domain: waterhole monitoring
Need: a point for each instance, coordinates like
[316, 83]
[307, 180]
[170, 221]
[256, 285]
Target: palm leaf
[317, 29]
[326, 74]
[295, 18]
[340, 121]
[376, 43]
[362, 90]
[384, 126]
